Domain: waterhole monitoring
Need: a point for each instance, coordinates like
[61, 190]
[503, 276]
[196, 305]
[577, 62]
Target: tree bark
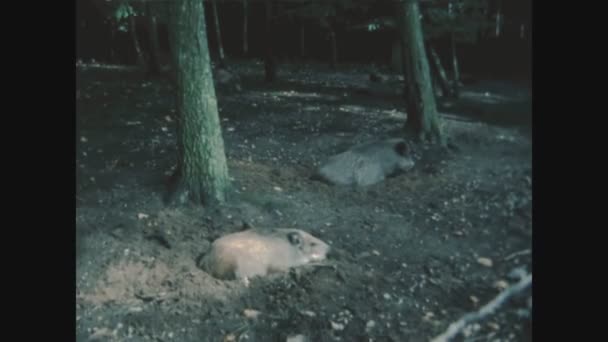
[442, 78]
[422, 115]
[202, 172]
[302, 42]
[141, 60]
[112, 57]
[245, 34]
[218, 34]
[270, 63]
[334, 48]
[154, 68]
[498, 19]
[456, 69]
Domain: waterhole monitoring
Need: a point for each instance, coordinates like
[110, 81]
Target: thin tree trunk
[202, 172]
[302, 46]
[498, 19]
[442, 78]
[154, 67]
[270, 64]
[218, 34]
[112, 50]
[422, 116]
[456, 69]
[397, 56]
[245, 34]
[141, 60]
[334, 48]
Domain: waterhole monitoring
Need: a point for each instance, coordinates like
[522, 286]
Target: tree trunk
[154, 68]
[202, 172]
[498, 20]
[422, 115]
[112, 57]
[218, 34]
[456, 69]
[245, 34]
[442, 78]
[270, 63]
[141, 61]
[334, 48]
[302, 46]
[397, 57]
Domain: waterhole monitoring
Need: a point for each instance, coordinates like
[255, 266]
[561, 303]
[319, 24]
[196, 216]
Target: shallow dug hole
[412, 254]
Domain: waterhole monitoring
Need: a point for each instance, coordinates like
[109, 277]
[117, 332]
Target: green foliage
[123, 11]
[121, 15]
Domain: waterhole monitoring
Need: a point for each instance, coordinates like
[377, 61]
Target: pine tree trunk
[442, 78]
[334, 48]
[270, 64]
[218, 34]
[154, 67]
[422, 115]
[396, 57]
[141, 60]
[302, 45]
[245, 34]
[456, 69]
[498, 19]
[112, 57]
[202, 172]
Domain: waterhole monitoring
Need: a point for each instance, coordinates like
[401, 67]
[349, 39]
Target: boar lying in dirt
[258, 252]
[366, 164]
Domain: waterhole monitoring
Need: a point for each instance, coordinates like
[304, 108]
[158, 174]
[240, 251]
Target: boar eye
[294, 239]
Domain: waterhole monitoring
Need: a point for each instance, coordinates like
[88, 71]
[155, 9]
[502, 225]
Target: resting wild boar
[258, 252]
[367, 164]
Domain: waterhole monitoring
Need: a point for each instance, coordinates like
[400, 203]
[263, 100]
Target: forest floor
[418, 250]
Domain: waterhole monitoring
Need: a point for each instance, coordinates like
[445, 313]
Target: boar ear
[401, 148]
[294, 239]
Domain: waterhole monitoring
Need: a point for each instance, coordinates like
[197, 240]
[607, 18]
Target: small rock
[296, 338]
[308, 313]
[501, 284]
[83, 139]
[336, 326]
[485, 262]
[494, 326]
[369, 326]
[100, 334]
[142, 216]
[471, 329]
[251, 314]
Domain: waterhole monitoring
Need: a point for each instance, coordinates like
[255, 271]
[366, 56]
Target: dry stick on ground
[516, 254]
[486, 310]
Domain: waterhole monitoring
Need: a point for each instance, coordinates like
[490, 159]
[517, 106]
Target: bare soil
[414, 253]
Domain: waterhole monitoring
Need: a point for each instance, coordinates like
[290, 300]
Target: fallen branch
[486, 310]
[516, 254]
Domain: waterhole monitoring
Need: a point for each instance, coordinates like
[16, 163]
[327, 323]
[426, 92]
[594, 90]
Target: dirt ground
[416, 252]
